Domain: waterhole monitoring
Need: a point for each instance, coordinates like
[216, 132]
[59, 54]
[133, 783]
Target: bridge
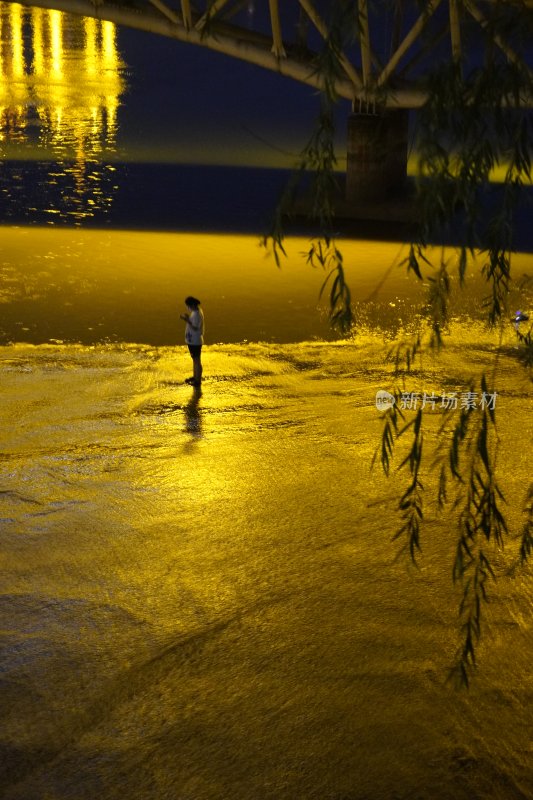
[382, 50]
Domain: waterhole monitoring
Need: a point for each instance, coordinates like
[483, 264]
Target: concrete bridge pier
[376, 166]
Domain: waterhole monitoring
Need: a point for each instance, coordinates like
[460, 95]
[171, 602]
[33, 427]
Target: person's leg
[191, 379]
[197, 369]
[197, 364]
[193, 354]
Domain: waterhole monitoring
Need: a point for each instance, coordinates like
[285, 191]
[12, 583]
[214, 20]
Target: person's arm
[188, 319]
[194, 320]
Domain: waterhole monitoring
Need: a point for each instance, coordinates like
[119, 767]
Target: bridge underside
[379, 53]
[381, 47]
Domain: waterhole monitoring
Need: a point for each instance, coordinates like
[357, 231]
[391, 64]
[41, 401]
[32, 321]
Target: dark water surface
[141, 196]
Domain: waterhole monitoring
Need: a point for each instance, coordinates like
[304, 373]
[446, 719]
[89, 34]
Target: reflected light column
[110, 67]
[91, 46]
[17, 44]
[37, 66]
[55, 20]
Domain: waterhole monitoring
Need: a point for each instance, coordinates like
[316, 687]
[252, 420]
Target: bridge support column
[377, 156]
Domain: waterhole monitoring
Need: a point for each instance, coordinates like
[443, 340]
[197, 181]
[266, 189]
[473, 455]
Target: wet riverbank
[200, 596]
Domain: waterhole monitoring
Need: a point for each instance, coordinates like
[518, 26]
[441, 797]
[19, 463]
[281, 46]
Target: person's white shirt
[194, 330]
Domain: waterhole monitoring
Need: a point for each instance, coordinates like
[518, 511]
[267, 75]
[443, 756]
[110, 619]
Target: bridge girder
[369, 72]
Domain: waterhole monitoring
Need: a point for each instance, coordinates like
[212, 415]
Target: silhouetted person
[194, 337]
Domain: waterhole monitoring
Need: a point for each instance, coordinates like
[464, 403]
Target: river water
[200, 599]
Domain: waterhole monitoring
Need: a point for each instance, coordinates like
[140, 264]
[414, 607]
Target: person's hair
[192, 302]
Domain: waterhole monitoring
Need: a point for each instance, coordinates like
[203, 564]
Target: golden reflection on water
[61, 80]
[128, 286]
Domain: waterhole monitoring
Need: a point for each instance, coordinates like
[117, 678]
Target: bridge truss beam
[369, 71]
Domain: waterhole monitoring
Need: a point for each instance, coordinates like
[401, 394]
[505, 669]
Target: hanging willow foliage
[472, 122]
[469, 125]
[318, 160]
